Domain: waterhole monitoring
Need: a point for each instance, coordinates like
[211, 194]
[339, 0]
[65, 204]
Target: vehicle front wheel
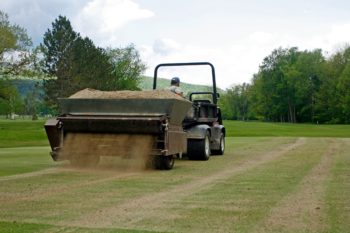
[220, 151]
[199, 149]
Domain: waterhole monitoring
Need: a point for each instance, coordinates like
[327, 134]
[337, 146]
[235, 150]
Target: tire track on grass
[149, 206]
[30, 174]
[303, 210]
[35, 194]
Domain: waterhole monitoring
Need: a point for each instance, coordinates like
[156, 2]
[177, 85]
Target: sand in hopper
[116, 151]
[89, 93]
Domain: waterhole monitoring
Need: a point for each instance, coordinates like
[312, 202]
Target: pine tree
[72, 62]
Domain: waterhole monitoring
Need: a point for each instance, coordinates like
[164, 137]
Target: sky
[233, 35]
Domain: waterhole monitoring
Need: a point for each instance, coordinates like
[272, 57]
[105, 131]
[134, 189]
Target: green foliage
[7, 39]
[235, 103]
[295, 86]
[284, 81]
[127, 67]
[73, 62]
[10, 100]
[89, 67]
[16, 59]
[15, 44]
[57, 44]
[290, 86]
[32, 102]
[331, 99]
[25, 85]
[13, 36]
[344, 93]
[56, 48]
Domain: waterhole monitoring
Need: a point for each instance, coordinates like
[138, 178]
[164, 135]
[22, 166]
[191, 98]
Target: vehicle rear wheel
[164, 162]
[199, 149]
[168, 162]
[220, 151]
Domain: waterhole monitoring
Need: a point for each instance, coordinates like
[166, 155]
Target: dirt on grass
[30, 174]
[111, 199]
[119, 156]
[132, 211]
[303, 210]
[37, 194]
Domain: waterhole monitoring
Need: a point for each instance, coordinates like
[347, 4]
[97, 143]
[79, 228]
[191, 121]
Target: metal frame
[201, 93]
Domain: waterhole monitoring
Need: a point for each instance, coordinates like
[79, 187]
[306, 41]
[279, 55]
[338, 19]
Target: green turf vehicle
[177, 126]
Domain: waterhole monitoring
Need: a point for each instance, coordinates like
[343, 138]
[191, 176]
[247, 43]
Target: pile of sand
[152, 94]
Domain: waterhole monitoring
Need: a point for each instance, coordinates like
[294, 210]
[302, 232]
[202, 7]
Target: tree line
[294, 86]
[63, 63]
[290, 86]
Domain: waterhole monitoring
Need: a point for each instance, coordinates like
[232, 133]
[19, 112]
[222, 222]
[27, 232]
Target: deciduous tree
[127, 67]
[15, 44]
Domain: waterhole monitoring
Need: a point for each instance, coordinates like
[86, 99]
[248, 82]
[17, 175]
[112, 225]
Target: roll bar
[188, 64]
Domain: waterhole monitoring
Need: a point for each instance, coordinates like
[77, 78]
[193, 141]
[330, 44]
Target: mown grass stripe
[338, 191]
[239, 203]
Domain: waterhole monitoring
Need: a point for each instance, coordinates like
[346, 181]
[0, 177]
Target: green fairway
[14, 133]
[24, 159]
[261, 184]
[19, 133]
[264, 129]
[294, 180]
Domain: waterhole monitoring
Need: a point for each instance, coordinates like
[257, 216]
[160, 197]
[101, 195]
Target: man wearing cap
[175, 86]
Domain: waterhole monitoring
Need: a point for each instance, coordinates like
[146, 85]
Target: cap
[175, 80]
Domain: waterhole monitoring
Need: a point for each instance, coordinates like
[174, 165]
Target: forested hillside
[147, 84]
[24, 86]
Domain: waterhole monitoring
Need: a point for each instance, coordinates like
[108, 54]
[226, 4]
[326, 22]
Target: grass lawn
[241, 191]
[338, 192]
[295, 180]
[31, 133]
[24, 159]
[14, 133]
[263, 129]
[6, 227]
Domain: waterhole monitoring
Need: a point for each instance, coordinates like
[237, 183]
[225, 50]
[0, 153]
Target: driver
[175, 86]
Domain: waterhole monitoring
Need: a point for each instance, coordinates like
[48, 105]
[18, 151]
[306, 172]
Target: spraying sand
[121, 151]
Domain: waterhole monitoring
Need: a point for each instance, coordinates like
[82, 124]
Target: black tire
[199, 149]
[168, 162]
[221, 151]
[164, 162]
